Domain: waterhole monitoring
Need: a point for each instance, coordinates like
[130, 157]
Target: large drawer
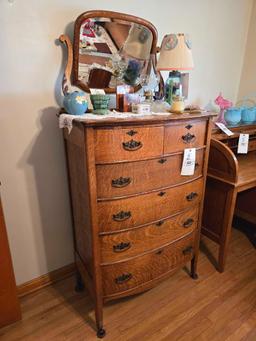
[141, 176]
[190, 134]
[126, 144]
[119, 246]
[126, 275]
[141, 209]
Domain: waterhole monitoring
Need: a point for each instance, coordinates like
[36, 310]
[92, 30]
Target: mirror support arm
[67, 74]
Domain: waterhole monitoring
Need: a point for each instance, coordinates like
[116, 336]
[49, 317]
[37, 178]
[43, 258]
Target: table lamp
[175, 56]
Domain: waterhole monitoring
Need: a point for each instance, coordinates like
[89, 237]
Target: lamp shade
[175, 53]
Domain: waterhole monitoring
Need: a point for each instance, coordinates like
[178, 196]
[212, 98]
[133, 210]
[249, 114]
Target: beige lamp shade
[139, 42]
[175, 53]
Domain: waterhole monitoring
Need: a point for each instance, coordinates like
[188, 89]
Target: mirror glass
[113, 52]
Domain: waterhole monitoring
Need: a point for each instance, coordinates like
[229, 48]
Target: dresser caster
[101, 333]
[194, 276]
[79, 283]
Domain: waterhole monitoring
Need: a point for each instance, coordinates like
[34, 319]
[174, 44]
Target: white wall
[32, 169]
[247, 87]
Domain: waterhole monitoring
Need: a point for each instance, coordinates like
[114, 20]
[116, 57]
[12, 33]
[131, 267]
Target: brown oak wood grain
[186, 135]
[114, 210]
[127, 144]
[144, 176]
[142, 269]
[156, 235]
[148, 207]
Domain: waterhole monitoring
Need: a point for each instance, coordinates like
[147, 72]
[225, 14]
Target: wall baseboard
[45, 280]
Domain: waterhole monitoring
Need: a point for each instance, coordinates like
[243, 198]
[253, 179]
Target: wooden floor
[215, 307]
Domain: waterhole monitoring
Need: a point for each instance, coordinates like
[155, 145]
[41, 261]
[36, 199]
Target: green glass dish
[100, 104]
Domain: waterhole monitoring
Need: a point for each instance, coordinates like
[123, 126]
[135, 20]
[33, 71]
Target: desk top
[246, 169]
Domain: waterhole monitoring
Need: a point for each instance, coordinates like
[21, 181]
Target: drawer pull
[121, 247]
[189, 222]
[160, 223]
[121, 182]
[121, 216]
[131, 132]
[132, 145]
[187, 250]
[161, 194]
[189, 126]
[162, 161]
[123, 278]
[188, 138]
[191, 196]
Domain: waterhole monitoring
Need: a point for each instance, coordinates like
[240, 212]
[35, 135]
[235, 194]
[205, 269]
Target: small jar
[248, 115]
[178, 104]
[233, 116]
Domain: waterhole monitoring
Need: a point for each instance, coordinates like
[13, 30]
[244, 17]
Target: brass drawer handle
[161, 194]
[131, 132]
[160, 223]
[162, 161]
[121, 247]
[132, 145]
[123, 278]
[121, 216]
[188, 138]
[187, 250]
[189, 222]
[191, 196]
[121, 182]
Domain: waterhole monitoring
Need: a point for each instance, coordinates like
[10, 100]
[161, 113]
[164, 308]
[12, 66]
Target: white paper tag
[224, 128]
[97, 91]
[243, 144]
[189, 159]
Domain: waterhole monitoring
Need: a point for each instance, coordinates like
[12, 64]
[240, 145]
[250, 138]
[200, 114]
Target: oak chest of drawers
[136, 219]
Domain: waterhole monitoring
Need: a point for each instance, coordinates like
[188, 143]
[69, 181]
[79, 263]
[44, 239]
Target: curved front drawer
[137, 271]
[120, 246]
[123, 144]
[125, 213]
[135, 177]
[190, 134]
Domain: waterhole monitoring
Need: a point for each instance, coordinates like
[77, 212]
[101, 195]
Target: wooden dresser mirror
[110, 49]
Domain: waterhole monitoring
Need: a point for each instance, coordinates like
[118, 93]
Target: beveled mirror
[110, 49]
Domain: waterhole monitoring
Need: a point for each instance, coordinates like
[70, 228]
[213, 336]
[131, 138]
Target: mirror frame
[106, 14]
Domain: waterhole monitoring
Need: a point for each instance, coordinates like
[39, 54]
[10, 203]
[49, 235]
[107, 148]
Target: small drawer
[120, 246]
[134, 143]
[129, 274]
[190, 134]
[124, 213]
[130, 178]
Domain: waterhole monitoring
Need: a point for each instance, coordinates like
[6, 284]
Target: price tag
[189, 159]
[224, 128]
[243, 144]
[97, 91]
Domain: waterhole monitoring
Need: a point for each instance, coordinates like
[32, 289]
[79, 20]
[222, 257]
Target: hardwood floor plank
[217, 307]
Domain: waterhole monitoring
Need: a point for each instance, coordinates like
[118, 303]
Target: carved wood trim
[67, 74]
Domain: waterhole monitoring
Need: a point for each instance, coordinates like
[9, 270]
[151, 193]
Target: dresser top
[149, 119]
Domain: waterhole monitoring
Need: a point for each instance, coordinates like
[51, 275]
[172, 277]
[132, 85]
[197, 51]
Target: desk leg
[226, 228]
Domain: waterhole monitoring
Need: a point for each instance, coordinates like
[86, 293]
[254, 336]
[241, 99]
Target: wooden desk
[228, 175]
